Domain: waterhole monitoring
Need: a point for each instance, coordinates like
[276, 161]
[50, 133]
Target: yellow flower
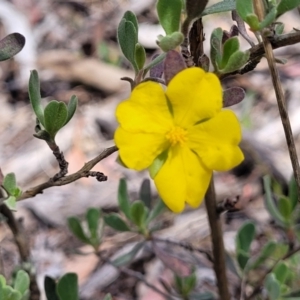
[186, 124]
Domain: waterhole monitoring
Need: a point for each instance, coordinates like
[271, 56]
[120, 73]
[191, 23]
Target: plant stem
[259, 8]
[217, 241]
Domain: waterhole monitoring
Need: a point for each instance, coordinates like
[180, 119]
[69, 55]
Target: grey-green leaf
[272, 286]
[67, 287]
[128, 257]
[72, 105]
[127, 38]
[219, 7]
[114, 221]
[22, 282]
[123, 198]
[236, 61]
[286, 5]
[130, 16]
[11, 45]
[92, 217]
[76, 228]
[50, 288]
[35, 96]
[10, 183]
[138, 213]
[56, 114]
[169, 13]
[244, 8]
[145, 192]
[158, 209]
[140, 56]
[245, 236]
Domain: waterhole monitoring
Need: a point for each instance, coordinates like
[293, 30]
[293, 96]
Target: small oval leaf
[11, 45]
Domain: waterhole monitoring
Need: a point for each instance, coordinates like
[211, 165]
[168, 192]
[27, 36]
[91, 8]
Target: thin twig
[217, 241]
[134, 274]
[83, 172]
[259, 8]
[23, 247]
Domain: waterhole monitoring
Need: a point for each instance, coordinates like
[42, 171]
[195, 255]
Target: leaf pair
[227, 57]
[139, 212]
[95, 228]
[128, 41]
[55, 115]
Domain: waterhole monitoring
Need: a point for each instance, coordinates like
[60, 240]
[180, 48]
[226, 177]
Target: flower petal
[138, 150]
[182, 178]
[146, 110]
[195, 95]
[216, 141]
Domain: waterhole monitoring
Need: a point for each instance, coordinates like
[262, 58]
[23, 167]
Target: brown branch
[83, 172]
[217, 241]
[259, 8]
[23, 248]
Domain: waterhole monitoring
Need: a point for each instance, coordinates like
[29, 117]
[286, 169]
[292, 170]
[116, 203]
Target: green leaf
[269, 18]
[219, 7]
[11, 203]
[93, 217]
[114, 221]
[108, 297]
[131, 17]
[123, 198]
[56, 114]
[229, 48]
[140, 56]
[10, 183]
[170, 42]
[281, 272]
[264, 254]
[236, 61]
[145, 193]
[128, 257]
[67, 287]
[285, 209]
[35, 96]
[50, 288]
[272, 286]
[158, 163]
[293, 193]
[216, 47]
[76, 228]
[242, 258]
[253, 22]
[270, 204]
[22, 282]
[169, 13]
[72, 105]
[279, 27]
[286, 5]
[245, 236]
[127, 38]
[202, 296]
[2, 280]
[244, 8]
[10, 294]
[159, 208]
[11, 45]
[138, 213]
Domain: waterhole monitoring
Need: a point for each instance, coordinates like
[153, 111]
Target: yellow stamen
[177, 135]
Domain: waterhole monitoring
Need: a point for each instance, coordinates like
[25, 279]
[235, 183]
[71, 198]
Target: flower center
[177, 135]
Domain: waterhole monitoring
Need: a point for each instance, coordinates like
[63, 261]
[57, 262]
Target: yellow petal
[216, 141]
[146, 110]
[138, 150]
[182, 178]
[195, 95]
